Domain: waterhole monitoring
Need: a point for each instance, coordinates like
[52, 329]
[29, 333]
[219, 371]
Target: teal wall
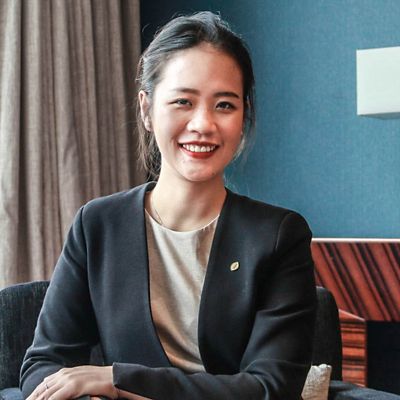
[312, 153]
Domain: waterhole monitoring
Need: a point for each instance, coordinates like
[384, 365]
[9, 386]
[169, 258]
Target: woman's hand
[69, 383]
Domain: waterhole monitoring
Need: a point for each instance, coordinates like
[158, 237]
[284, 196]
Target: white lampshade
[378, 82]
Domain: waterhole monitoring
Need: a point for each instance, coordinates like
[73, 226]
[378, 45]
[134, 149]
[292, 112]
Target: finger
[52, 385]
[44, 391]
[40, 389]
[49, 389]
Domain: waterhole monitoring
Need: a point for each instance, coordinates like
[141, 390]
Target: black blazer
[255, 324]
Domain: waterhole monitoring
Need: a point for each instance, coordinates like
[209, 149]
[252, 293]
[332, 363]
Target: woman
[192, 291]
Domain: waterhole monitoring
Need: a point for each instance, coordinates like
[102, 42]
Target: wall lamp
[378, 82]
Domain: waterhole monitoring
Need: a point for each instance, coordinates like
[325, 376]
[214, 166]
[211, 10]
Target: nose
[202, 121]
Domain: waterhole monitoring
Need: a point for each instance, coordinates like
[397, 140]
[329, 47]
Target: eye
[226, 105]
[182, 102]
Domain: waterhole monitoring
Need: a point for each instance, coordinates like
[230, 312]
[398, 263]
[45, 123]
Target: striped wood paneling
[364, 277]
[354, 341]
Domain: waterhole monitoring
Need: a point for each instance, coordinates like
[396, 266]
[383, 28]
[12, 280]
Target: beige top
[178, 263]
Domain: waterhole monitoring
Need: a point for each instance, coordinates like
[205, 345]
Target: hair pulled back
[181, 33]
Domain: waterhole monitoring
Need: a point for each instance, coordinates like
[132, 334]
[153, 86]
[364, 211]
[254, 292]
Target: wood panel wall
[364, 277]
[354, 347]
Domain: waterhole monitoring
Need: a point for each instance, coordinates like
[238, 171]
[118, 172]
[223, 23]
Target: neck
[186, 205]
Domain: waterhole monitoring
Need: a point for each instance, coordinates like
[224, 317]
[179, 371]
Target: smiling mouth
[195, 148]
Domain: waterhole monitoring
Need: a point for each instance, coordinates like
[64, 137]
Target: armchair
[20, 305]
[19, 309]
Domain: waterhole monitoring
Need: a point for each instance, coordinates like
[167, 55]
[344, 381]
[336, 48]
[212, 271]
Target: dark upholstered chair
[328, 350]
[20, 306]
[19, 309]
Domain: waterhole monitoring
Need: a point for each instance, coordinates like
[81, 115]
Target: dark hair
[182, 33]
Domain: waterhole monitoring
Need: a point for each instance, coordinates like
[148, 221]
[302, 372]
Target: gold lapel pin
[235, 266]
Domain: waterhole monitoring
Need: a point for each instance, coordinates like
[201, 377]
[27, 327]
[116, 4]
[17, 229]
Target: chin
[201, 177]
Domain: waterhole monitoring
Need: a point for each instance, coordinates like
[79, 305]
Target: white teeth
[198, 149]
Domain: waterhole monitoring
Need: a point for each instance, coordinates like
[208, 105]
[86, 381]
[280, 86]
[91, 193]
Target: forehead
[201, 66]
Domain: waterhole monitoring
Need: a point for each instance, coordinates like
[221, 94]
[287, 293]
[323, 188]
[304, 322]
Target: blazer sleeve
[278, 355]
[66, 328]
[280, 348]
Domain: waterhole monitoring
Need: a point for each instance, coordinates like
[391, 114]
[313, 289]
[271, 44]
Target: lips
[199, 150]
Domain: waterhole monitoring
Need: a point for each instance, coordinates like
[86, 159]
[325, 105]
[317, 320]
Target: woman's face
[196, 114]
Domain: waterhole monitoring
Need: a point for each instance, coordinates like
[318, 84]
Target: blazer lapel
[224, 320]
[133, 325]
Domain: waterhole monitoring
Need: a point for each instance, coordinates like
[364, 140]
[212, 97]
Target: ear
[145, 109]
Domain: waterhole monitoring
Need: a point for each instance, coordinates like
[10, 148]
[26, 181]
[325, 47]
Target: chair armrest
[20, 305]
[11, 394]
[339, 390]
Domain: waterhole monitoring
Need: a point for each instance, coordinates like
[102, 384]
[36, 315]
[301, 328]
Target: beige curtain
[66, 121]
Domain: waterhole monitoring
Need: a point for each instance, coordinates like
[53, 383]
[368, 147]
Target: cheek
[236, 129]
[166, 134]
[167, 124]
[235, 141]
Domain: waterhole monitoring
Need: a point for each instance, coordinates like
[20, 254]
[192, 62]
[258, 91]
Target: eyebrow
[197, 92]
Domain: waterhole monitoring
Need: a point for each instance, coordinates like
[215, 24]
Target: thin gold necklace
[155, 210]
